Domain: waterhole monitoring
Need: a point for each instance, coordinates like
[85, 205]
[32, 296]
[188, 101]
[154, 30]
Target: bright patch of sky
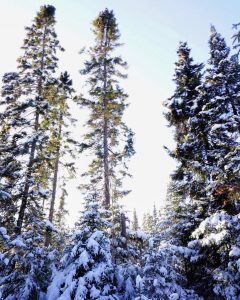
[150, 31]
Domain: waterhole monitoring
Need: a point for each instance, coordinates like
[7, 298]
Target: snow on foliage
[86, 270]
[162, 278]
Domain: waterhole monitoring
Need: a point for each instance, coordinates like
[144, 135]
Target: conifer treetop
[45, 16]
[105, 28]
[218, 48]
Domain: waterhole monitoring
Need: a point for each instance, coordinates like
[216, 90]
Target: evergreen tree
[87, 270]
[150, 223]
[216, 242]
[221, 112]
[179, 217]
[26, 266]
[147, 222]
[118, 235]
[187, 184]
[26, 95]
[108, 139]
[9, 175]
[27, 104]
[155, 221]
[182, 105]
[221, 168]
[107, 105]
[135, 226]
[162, 278]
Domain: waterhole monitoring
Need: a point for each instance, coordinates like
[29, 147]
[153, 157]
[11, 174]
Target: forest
[188, 250]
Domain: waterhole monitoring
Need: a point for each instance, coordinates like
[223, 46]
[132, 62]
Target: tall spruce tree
[26, 113]
[107, 104]
[26, 95]
[217, 236]
[108, 138]
[187, 183]
[221, 111]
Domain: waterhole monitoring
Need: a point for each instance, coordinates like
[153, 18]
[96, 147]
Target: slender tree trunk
[107, 201]
[106, 166]
[23, 205]
[48, 238]
[123, 225]
[27, 183]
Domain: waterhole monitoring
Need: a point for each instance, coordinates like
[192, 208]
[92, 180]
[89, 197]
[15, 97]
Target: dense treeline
[188, 250]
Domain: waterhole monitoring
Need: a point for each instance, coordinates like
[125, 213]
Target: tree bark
[48, 238]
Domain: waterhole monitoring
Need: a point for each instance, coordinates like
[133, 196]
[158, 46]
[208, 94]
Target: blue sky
[150, 31]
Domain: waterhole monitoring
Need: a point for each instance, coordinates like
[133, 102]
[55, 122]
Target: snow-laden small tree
[127, 271]
[118, 235]
[217, 243]
[178, 218]
[61, 237]
[87, 271]
[125, 277]
[26, 267]
[9, 175]
[163, 276]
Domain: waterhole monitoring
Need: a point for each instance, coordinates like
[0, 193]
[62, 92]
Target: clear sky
[151, 31]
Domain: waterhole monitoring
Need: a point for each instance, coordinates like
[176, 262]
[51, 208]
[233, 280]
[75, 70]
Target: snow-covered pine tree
[216, 247]
[181, 109]
[26, 108]
[150, 222]
[26, 95]
[215, 237]
[162, 273]
[26, 267]
[108, 138]
[155, 221]
[221, 112]
[9, 175]
[87, 271]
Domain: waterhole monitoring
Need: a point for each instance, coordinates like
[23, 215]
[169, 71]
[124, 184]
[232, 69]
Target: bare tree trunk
[23, 205]
[105, 134]
[48, 238]
[106, 167]
[123, 225]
